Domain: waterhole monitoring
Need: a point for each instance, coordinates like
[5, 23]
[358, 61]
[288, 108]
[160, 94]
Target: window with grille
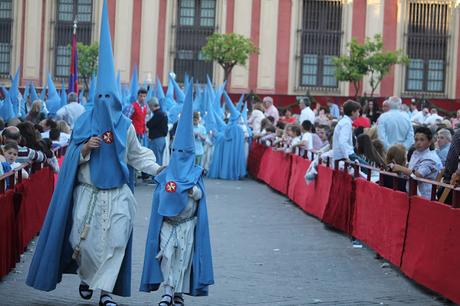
[321, 35]
[67, 12]
[427, 43]
[195, 22]
[6, 20]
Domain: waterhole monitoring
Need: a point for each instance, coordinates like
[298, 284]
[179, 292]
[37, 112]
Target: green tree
[367, 58]
[351, 67]
[380, 62]
[229, 50]
[87, 61]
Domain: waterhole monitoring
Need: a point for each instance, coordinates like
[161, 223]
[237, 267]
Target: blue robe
[202, 271]
[229, 158]
[53, 254]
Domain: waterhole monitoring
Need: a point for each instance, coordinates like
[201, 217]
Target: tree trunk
[227, 71]
[356, 87]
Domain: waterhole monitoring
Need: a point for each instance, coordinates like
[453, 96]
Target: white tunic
[176, 246]
[110, 219]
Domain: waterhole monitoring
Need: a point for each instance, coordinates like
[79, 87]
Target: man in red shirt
[137, 112]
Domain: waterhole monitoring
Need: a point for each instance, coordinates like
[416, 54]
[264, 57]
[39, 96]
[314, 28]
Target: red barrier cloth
[312, 198]
[266, 169]
[36, 193]
[380, 219]
[281, 174]
[8, 251]
[339, 208]
[432, 250]
[254, 158]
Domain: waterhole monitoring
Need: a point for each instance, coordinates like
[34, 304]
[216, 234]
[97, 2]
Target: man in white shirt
[431, 119]
[70, 112]
[413, 109]
[420, 117]
[306, 113]
[342, 140]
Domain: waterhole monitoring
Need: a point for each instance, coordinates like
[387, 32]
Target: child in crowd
[269, 135]
[296, 139]
[342, 144]
[366, 150]
[284, 141]
[54, 137]
[10, 152]
[199, 133]
[321, 139]
[307, 136]
[396, 155]
[46, 147]
[423, 162]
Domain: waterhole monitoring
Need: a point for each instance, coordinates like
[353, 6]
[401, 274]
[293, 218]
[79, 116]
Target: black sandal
[166, 303]
[108, 301]
[84, 288]
[178, 300]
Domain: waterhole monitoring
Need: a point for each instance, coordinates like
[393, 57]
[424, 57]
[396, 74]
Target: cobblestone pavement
[266, 252]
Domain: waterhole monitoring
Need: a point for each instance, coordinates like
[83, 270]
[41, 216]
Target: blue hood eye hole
[180, 150]
[107, 96]
[100, 96]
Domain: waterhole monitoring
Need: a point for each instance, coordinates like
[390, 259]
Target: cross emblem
[170, 186]
[107, 137]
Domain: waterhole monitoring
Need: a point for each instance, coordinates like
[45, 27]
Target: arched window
[6, 20]
[68, 11]
[427, 44]
[320, 41]
[195, 22]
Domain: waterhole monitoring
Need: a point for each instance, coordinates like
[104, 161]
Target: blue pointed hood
[63, 95]
[6, 108]
[43, 93]
[239, 105]
[198, 100]
[33, 93]
[210, 122]
[53, 101]
[159, 93]
[218, 108]
[181, 173]
[180, 97]
[24, 99]
[108, 167]
[168, 98]
[150, 94]
[218, 111]
[211, 92]
[134, 86]
[244, 113]
[14, 93]
[234, 113]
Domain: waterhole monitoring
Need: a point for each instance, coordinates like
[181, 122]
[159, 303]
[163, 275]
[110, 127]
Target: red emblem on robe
[107, 137]
[170, 186]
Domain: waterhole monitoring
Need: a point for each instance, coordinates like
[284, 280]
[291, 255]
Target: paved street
[266, 252]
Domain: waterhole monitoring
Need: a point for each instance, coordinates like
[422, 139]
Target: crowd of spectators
[400, 138]
[36, 136]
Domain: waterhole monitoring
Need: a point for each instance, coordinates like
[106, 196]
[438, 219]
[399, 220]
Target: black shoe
[85, 292]
[166, 300]
[178, 300]
[108, 301]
